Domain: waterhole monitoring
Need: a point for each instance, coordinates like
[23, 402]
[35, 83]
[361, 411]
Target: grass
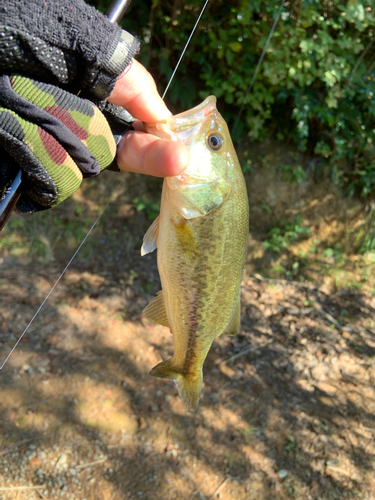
[57, 233]
[281, 237]
[292, 250]
[292, 174]
[151, 207]
[42, 234]
[291, 446]
[249, 432]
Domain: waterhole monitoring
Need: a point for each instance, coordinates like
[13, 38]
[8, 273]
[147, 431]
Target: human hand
[138, 151]
[55, 137]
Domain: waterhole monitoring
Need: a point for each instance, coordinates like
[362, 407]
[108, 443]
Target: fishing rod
[117, 10]
[114, 13]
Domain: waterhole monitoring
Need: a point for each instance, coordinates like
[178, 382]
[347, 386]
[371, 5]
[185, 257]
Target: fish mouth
[192, 117]
[185, 124]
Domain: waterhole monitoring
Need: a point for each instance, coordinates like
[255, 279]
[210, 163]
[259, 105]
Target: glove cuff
[122, 50]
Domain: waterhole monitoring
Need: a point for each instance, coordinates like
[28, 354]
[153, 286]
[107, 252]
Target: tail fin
[189, 386]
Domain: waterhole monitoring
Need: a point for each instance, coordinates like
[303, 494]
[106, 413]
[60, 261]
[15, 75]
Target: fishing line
[97, 220]
[61, 275]
[250, 88]
[183, 52]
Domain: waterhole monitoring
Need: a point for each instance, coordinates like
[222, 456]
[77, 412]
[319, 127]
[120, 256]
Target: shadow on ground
[287, 409]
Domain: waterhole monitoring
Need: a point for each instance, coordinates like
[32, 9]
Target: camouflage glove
[55, 137]
[64, 42]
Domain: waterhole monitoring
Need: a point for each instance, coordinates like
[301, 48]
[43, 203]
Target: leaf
[235, 46]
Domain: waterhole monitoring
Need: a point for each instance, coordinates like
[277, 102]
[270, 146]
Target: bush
[315, 86]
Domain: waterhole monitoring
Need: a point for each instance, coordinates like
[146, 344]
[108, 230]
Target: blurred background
[288, 405]
[305, 136]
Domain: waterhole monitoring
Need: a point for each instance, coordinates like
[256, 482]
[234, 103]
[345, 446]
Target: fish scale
[201, 235]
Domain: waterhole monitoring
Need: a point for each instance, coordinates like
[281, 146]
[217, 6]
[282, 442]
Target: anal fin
[233, 326]
[155, 310]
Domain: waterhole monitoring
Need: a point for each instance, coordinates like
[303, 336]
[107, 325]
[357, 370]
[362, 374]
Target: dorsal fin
[155, 311]
[150, 238]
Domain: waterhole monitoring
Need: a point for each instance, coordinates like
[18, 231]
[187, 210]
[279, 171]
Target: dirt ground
[288, 405]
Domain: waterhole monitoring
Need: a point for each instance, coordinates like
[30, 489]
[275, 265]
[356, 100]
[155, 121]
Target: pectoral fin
[187, 238]
[155, 311]
[233, 326]
[150, 238]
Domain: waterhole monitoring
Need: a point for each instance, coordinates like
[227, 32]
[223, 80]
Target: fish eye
[215, 141]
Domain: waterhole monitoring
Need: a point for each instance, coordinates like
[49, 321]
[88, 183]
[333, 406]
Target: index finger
[137, 93]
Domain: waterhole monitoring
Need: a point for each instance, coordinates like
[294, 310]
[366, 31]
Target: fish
[201, 236]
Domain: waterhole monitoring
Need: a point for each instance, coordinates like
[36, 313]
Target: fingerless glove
[51, 52]
[55, 137]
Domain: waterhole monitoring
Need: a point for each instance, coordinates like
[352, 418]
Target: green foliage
[366, 235]
[292, 173]
[249, 432]
[39, 236]
[291, 446]
[335, 254]
[315, 85]
[280, 238]
[151, 207]
[247, 167]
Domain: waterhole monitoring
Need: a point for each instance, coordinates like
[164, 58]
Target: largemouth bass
[201, 235]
